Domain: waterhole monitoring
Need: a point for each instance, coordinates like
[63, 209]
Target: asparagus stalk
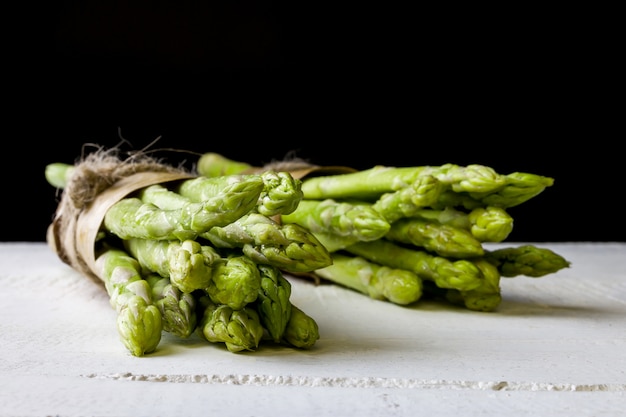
[273, 303]
[232, 202]
[490, 224]
[204, 188]
[528, 260]
[131, 218]
[423, 192]
[470, 179]
[139, 322]
[378, 180]
[289, 247]
[281, 193]
[366, 185]
[340, 218]
[470, 187]
[524, 260]
[164, 198]
[302, 330]
[451, 274]
[253, 228]
[58, 174]
[400, 286]
[211, 164]
[519, 188]
[487, 224]
[188, 264]
[304, 253]
[487, 296]
[177, 308]
[239, 330]
[235, 282]
[276, 192]
[441, 239]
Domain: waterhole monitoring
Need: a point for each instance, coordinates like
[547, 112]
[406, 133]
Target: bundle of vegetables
[183, 253]
[400, 233]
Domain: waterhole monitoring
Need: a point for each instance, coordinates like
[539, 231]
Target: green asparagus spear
[340, 218]
[487, 296]
[177, 308]
[58, 174]
[139, 322]
[471, 179]
[373, 182]
[235, 282]
[164, 198]
[289, 247]
[528, 260]
[519, 187]
[140, 326]
[239, 330]
[367, 185]
[231, 203]
[132, 218]
[277, 192]
[281, 193]
[446, 273]
[304, 254]
[226, 187]
[423, 192]
[441, 239]
[188, 264]
[487, 224]
[400, 286]
[211, 164]
[490, 224]
[253, 228]
[273, 303]
[302, 330]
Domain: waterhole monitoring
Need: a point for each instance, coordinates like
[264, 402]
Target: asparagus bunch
[398, 233]
[205, 255]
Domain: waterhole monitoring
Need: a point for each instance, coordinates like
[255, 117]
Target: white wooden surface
[555, 347]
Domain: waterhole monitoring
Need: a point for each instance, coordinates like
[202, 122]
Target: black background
[518, 90]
